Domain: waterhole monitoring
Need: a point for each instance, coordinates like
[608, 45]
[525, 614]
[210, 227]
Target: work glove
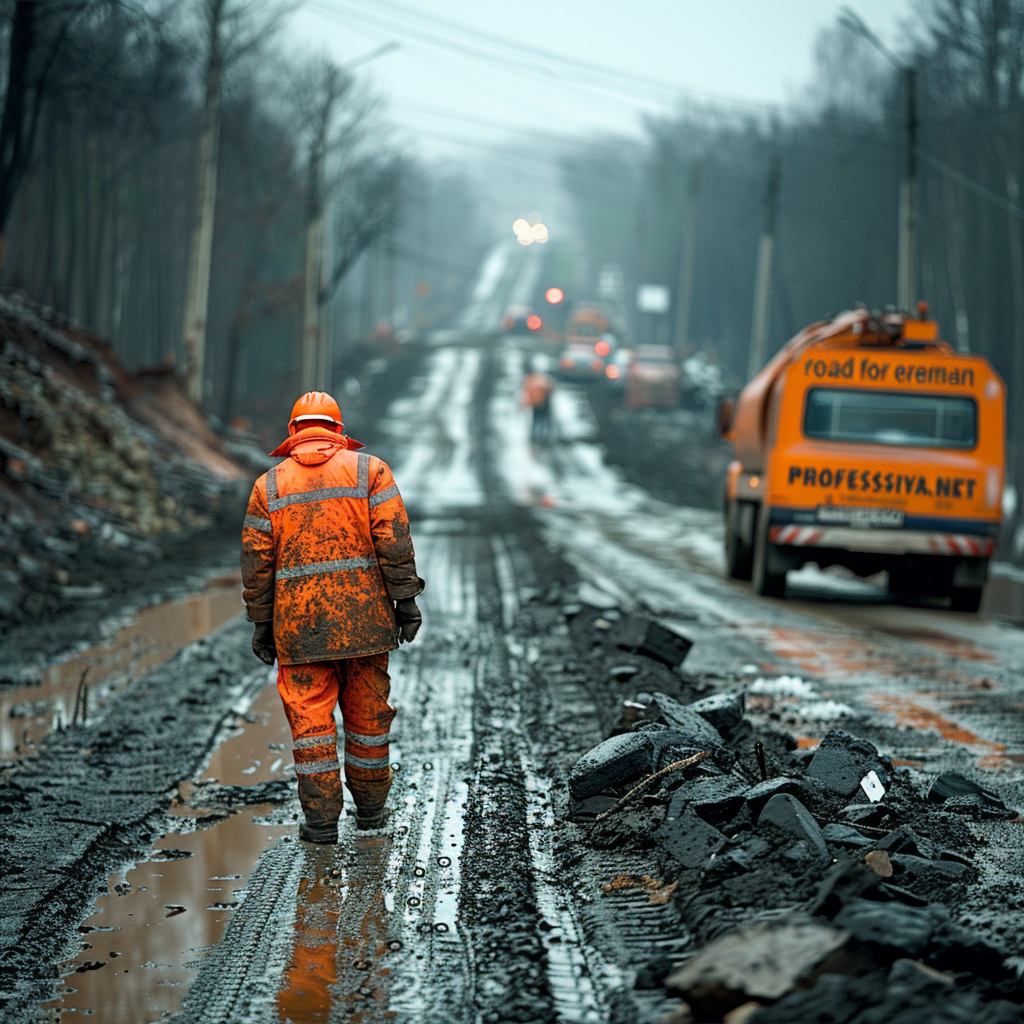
[263, 645]
[408, 618]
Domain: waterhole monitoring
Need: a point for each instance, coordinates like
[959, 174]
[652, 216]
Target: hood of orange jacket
[314, 446]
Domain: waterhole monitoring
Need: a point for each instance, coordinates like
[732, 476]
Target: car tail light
[602, 348]
[612, 372]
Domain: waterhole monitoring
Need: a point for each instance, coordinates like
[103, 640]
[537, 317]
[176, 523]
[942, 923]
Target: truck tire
[765, 583]
[965, 599]
[739, 555]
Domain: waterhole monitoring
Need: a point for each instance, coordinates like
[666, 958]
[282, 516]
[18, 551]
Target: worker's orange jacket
[326, 549]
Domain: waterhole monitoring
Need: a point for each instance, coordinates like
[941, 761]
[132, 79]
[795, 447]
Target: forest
[840, 152]
[107, 107]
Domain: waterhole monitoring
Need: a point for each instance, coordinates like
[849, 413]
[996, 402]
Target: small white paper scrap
[872, 785]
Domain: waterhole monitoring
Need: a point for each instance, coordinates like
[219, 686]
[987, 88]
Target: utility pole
[331, 84]
[685, 290]
[906, 243]
[200, 253]
[763, 278]
[313, 332]
[906, 274]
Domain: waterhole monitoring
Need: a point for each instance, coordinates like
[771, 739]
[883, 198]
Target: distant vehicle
[616, 368]
[579, 361]
[589, 359]
[652, 378]
[869, 443]
[587, 322]
[515, 320]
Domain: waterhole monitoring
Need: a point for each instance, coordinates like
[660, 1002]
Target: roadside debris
[97, 467]
[825, 871]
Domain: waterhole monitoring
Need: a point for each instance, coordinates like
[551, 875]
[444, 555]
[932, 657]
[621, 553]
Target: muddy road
[148, 839]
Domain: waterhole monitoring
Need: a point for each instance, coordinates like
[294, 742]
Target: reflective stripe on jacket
[326, 548]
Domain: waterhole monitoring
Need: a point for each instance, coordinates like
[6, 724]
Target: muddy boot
[369, 819]
[370, 797]
[321, 797]
[321, 835]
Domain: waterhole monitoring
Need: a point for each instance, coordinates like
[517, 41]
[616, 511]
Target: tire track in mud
[438, 923]
[91, 800]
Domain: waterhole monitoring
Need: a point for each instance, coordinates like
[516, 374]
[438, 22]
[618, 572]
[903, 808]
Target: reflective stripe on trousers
[317, 755]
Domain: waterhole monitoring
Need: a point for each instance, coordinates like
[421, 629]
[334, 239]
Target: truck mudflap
[881, 541]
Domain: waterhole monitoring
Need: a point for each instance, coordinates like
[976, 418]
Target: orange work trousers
[361, 686]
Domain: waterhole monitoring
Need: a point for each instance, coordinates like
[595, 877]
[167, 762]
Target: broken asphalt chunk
[911, 867]
[757, 796]
[724, 711]
[611, 765]
[892, 925]
[912, 993]
[845, 835]
[785, 812]
[716, 798]
[654, 641]
[760, 961]
[693, 730]
[842, 760]
[952, 784]
[689, 839]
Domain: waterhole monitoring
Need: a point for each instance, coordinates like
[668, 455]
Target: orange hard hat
[314, 406]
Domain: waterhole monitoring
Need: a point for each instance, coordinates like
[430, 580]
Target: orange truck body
[868, 442]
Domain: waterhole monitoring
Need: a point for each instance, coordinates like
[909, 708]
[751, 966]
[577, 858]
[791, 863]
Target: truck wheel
[965, 599]
[765, 583]
[739, 555]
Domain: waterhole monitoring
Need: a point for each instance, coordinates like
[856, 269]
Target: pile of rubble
[96, 467]
[819, 885]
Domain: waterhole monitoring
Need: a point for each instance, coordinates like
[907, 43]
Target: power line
[566, 60]
[552, 70]
[980, 190]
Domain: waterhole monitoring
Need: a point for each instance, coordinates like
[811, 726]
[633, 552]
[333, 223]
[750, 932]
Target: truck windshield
[889, 417]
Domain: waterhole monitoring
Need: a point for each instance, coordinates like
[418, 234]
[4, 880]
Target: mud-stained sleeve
[392, 540]
[258, 556]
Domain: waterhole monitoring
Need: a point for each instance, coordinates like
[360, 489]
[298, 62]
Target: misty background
[417, 134]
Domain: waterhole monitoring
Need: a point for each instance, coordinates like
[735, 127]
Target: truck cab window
[889, 417]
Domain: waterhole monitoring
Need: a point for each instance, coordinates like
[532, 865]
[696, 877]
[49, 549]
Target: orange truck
[869, 443]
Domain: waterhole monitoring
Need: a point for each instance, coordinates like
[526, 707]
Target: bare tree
[36, 34]
[320, 89]
[232, 29]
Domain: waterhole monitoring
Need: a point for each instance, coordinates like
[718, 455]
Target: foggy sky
[446, 100]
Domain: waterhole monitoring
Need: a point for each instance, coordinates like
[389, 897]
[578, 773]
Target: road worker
[330, 583]
[537, 390]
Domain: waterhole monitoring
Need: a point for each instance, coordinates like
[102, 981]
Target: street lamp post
[907, 238]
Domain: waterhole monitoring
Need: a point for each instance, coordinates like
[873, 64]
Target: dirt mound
[96, 466]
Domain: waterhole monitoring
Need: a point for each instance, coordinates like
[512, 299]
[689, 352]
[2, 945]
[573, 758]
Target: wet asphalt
[151, 869]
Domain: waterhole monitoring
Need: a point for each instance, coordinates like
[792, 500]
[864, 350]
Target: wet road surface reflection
[28, 713]
[336, 969]
[148, 935]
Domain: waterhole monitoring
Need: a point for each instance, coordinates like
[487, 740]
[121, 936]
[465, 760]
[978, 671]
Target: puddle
[28, 713]
[149, 934]
[258, 748]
